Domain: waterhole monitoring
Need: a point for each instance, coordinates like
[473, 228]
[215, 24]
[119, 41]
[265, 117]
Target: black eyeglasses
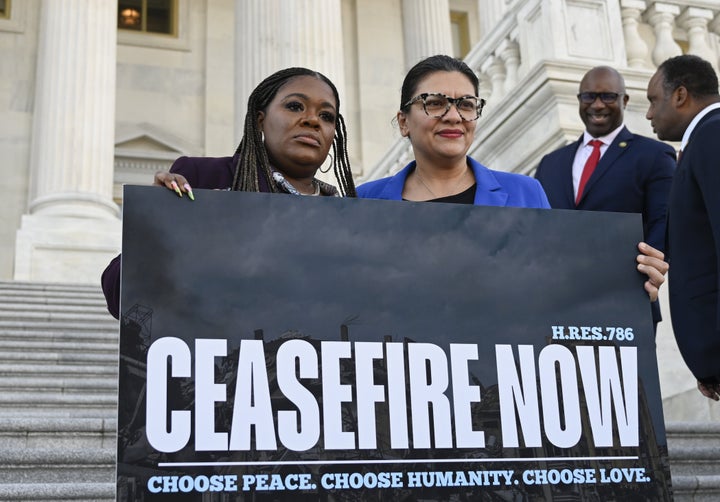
[606, 97]
[436, 105]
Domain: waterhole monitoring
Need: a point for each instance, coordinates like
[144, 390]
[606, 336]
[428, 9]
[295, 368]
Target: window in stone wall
[460, 33]
[148, 16]
[4, 9]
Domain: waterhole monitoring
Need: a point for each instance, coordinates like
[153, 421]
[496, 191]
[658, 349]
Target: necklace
[454, 188]
[285, 184]
[317, 188]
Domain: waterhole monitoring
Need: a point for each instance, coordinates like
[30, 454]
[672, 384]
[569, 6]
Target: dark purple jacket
[201, 172]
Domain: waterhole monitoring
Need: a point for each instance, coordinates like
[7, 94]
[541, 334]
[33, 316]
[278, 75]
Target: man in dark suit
[685, 106]
[633, 173]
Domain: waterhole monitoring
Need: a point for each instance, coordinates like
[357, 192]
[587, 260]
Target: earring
[332, 161]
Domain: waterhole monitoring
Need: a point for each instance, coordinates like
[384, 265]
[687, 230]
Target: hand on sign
[175, 182]
[651, 262]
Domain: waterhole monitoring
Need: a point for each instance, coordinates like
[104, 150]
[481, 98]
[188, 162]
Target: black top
[466, 197]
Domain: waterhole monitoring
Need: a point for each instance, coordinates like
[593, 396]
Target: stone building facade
[88, 104]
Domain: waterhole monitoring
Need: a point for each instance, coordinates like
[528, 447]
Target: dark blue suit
[694, 250]
[633, 176]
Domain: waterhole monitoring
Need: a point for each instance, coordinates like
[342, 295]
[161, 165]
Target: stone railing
[695, 24]
[506, 59]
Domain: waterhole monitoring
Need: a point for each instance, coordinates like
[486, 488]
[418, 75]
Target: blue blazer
[633, 176]
[694, 250]
[494, 188]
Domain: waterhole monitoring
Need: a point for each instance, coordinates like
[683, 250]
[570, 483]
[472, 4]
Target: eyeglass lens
[437, 105]
[605, 97]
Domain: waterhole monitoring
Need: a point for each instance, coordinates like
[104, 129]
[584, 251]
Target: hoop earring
[332, 161]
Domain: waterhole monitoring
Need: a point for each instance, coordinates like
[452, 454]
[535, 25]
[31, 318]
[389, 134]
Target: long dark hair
[431, 65]
[251, 154]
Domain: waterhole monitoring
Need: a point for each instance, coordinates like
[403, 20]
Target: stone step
[695, 460]
[9, 310]
[105, 335]
[12, 346]
[53, 492]
[60, 358]
[55, 316]
[694, 448]
[693, 434]
[38, 432]
[696, 488]
[47, 287]
[57, 465]
[42, 403]
[86, 370]
[70, 324]
[51, 398]
[694, 451]
[55, 411]
[90, 297]
[61, 385]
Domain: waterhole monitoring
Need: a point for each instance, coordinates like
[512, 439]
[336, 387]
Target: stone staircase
[58, 393]
[694, 451]
[58, 381]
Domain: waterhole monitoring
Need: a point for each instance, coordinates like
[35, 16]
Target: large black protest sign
[320, 348]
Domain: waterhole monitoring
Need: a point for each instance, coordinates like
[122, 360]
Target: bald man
[625, 173]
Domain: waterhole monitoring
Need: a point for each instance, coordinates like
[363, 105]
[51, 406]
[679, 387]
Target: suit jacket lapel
[565, 164]
[488, 191]
[618, 147]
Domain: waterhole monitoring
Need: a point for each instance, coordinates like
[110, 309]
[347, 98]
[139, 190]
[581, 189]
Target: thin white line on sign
[397, 461]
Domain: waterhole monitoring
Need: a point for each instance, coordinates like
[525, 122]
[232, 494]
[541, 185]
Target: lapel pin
[622, 144]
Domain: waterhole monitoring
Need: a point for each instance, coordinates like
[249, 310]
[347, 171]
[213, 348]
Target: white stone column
[426, 29]
[220, 78]
[695, 21]
[485, 88]
[274, 34]
[71, 229]
[661, 16]
[714, 27]
[509, 53]
[256, 51]
[494, 68]
[490, 12]
[635, 47]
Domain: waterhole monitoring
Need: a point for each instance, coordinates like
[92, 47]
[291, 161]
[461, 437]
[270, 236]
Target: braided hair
[252, 157]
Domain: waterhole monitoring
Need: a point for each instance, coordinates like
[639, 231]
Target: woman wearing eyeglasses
[439, 108]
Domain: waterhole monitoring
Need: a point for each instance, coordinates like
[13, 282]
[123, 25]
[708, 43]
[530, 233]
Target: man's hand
[709, 390]
[651, 262]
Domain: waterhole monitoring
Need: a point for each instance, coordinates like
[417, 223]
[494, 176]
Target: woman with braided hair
[292, 120]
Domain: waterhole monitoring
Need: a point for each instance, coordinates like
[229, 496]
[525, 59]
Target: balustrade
[652, 32]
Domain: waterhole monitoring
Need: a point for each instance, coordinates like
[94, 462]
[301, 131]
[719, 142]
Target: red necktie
[590, 165]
